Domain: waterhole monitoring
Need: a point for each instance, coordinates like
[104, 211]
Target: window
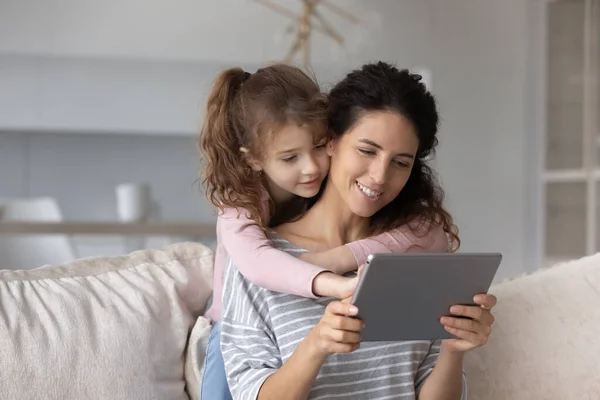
[572, 169]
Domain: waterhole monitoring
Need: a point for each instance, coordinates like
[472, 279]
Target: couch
[545, 343]
[106, 328]
[131, 327]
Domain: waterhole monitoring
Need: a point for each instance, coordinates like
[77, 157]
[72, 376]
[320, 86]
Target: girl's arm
[347, 258]
[253, 253]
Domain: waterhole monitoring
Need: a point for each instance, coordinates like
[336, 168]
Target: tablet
[403, 296]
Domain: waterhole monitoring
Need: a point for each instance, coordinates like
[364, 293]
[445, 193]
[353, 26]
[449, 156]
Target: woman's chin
[363, 206]
[362, 210]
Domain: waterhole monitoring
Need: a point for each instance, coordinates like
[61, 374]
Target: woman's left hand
[473, 331]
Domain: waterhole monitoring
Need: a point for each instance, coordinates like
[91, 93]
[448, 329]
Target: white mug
[133, 202]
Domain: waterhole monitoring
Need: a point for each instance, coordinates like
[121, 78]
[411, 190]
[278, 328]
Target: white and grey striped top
[261, 329]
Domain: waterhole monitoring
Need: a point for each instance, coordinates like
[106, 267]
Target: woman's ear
[252, 162]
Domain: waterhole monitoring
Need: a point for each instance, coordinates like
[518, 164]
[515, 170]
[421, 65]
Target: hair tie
[416, 77]
[246, 76]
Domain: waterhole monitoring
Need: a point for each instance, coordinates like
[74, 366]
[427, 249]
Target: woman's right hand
[337, 331]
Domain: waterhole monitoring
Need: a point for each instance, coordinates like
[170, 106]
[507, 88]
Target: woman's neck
[328, 224]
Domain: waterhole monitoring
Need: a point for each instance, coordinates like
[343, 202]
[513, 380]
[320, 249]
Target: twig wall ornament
[311, 19]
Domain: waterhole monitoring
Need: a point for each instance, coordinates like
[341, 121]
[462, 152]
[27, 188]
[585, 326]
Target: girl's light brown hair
[245, 111]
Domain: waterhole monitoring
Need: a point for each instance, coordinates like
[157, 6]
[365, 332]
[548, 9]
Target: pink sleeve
[428, 238]
[253, 254]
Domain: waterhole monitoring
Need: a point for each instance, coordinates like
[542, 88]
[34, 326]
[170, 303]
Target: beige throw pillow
[103, 328]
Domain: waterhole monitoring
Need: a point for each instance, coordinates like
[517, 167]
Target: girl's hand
[337, 331]
[329, 284]
[348, 287]
[473, 331]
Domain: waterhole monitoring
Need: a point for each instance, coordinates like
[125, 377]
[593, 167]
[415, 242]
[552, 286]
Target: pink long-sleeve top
[245, 242]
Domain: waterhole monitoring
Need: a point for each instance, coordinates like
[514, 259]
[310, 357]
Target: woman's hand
[337, 331]
[473, 331]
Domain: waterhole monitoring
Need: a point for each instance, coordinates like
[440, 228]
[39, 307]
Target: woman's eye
[367, 152]
[402, 164]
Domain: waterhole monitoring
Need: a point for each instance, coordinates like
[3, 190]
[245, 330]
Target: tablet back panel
[403, 296]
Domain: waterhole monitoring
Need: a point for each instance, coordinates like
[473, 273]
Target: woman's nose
[378, 171]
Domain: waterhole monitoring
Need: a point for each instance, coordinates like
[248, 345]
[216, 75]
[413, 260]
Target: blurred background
[100, 103]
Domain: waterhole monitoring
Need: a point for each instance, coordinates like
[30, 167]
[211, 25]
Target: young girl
[264, 142]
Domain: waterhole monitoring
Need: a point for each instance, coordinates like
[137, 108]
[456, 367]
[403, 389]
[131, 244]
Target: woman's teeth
[370, 193]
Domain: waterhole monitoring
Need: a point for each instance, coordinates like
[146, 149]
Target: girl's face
[371, 163]
[294, 164]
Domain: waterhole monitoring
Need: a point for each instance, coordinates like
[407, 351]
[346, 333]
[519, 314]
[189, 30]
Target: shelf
[569, 175]
[108, 228]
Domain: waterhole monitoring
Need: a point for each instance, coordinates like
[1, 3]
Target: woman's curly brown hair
[382, 87]
[243, 111]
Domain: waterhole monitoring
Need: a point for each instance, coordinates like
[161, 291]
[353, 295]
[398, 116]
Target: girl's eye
[367, 152]
[320, 146]
[289, 158]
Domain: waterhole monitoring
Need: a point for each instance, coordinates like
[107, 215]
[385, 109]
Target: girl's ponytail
[226, 175]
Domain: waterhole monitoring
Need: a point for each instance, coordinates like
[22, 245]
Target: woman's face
[371, 163]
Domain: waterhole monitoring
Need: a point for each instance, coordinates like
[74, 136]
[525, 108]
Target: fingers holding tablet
[485, 300]
[477, 313]
[472, 325]
[338, 331]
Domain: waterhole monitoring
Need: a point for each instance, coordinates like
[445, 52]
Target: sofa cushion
[103, 328]
[545, 341]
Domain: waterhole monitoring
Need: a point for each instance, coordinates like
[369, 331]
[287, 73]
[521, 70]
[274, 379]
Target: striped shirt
[260, 330]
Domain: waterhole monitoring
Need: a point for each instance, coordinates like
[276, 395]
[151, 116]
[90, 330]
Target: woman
[276, 346]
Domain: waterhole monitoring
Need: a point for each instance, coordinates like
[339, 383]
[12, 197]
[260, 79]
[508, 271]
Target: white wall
[199, 30]
[477, 51]
[108, 95]
[480, 77]
[101, 95]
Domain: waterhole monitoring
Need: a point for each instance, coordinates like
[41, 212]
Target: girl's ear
[254, 164]
[331, 147]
